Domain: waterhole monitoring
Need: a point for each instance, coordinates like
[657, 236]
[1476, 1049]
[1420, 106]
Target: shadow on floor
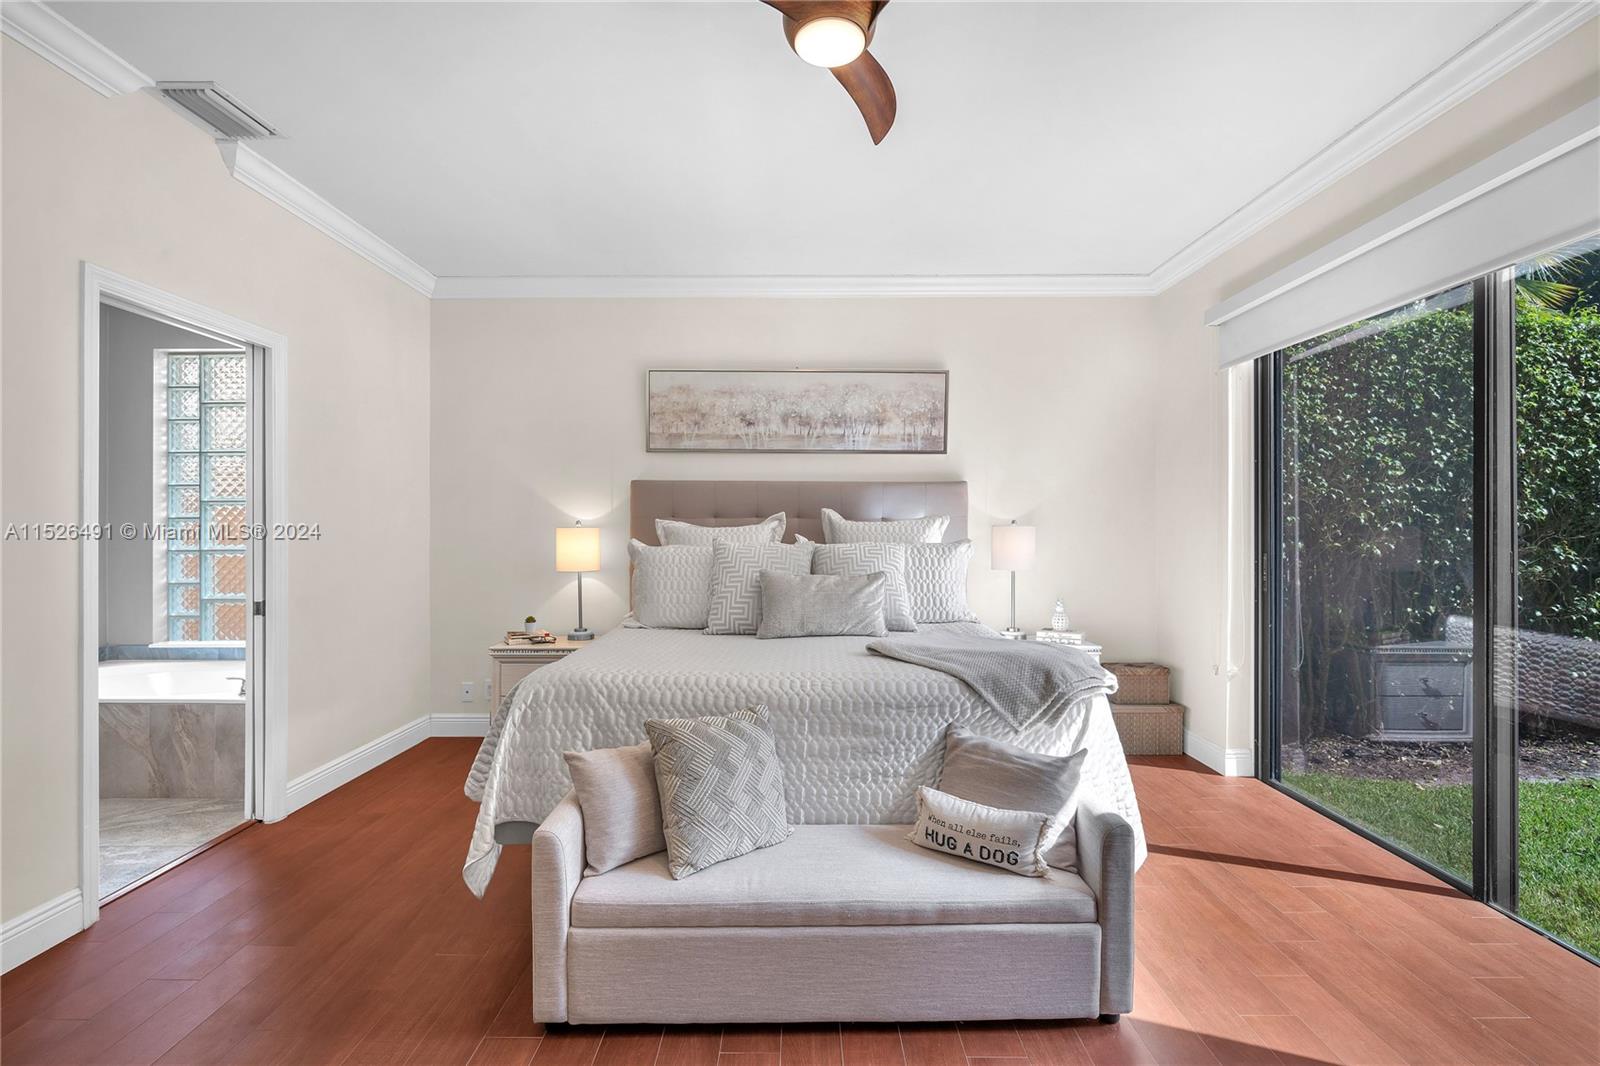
[1309, 871]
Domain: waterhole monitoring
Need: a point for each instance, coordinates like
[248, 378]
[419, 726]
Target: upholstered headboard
[738, 503]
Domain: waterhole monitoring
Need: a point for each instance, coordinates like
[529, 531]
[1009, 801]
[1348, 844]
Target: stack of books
[1059, 636]
[541, 636]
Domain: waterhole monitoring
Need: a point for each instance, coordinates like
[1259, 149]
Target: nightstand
[513, 662]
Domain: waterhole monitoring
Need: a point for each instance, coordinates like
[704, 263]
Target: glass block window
[206, 479]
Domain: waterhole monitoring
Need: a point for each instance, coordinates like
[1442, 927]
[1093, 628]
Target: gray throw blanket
[1023, 682]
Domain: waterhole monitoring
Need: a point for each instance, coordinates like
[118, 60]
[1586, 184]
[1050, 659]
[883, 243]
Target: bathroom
[175, 737]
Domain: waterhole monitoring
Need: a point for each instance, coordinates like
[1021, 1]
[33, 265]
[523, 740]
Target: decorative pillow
[616, 790]
[837, 529]
[673, 533]
[936, 580]
[1010, 840]
[816, 605]
[721, 787]
[736, 580]
[672, 585]
[998, 774]
[854, 560]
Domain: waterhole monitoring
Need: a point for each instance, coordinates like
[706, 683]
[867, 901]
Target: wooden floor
[344, 935]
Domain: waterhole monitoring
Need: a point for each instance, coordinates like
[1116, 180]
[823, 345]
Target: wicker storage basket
[1147, 729]
[1143, 683]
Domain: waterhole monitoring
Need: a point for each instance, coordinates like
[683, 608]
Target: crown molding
[250, 168]
[668, 287]
[1521, 35]
[32, 24]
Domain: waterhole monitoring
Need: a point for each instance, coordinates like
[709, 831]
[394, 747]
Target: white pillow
[858, 560]
[671, 585]
[837, 529]
[671, 532]
[936, 580]
[1010, 840]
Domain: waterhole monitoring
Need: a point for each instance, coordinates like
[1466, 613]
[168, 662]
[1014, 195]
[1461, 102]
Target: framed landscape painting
[798, 411]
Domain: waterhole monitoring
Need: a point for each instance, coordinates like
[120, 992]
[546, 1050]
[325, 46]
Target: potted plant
[530, 625]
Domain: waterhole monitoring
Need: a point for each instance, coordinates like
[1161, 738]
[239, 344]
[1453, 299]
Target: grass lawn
[1559, 859]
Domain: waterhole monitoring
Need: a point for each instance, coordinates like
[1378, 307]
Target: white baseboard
[460, 725]
[40, 929]
[51, 922]
[1229, 762]
[351, 765]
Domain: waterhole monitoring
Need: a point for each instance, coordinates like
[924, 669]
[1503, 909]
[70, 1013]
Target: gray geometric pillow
[936, 578]
[855, 560]
[837, 529]
[736, 581]
[721, 787]
[671, 586]
[671, 532]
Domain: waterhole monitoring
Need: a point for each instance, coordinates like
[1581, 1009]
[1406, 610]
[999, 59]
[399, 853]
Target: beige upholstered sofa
[838, 923]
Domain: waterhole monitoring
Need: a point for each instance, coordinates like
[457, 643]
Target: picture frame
[879, 412]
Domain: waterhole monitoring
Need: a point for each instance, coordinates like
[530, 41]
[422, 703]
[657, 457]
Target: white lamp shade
[1011, 547]
[577, 549]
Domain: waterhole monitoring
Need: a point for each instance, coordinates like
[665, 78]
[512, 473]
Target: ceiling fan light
[829, 42]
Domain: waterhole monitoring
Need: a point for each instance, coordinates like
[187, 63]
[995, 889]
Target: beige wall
[127, 184]
[1205, 600]
[538, 417]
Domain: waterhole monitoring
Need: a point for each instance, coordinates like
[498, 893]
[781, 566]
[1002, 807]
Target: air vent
[216, 109]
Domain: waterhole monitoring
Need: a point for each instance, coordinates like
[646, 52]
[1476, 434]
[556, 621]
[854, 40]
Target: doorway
[182, 480]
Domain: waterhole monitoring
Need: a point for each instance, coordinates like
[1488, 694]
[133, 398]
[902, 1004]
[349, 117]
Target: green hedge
[1378, 460]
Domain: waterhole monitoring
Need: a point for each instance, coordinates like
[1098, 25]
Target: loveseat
[837, 923]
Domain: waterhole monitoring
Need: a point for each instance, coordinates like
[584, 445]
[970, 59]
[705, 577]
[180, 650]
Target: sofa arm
[1106, 861]
[558, 862]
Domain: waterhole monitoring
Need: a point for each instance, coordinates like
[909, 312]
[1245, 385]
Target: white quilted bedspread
[857, 732]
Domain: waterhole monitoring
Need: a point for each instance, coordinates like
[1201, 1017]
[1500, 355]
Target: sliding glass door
[1549, 649]
[1430, 597]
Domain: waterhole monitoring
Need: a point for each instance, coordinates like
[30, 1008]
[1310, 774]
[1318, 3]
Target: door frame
[268, 670]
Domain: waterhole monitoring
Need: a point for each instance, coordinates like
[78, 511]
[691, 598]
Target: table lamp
[578, 552]
[1011, 548]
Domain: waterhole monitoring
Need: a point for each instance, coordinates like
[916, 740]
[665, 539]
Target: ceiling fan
[835, 34]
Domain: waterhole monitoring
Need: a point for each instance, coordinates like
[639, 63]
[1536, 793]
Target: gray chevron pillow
[721, 787]
[736, 581]
[858, 560]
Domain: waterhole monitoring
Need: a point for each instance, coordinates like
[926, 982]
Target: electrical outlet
[488, 687]
[466, 692]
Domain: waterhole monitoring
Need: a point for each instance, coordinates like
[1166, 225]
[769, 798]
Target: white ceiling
[684, 139]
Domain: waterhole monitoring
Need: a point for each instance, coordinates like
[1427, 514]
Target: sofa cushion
[828, 875]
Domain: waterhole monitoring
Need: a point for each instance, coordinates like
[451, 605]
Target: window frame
[1495, 828]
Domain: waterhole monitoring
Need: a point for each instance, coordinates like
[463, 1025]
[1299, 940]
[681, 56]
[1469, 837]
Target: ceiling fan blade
[869, 86]
[861, 12]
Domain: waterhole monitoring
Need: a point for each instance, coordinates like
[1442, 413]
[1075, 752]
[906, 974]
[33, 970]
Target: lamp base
[1011, 633]
[581, 634]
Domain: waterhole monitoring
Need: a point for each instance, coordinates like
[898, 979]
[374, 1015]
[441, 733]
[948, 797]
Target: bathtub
[171, 681]
[172, 729]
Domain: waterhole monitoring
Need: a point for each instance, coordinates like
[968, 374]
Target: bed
[858, 732]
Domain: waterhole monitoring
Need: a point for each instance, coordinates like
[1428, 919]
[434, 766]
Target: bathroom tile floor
[138, 836]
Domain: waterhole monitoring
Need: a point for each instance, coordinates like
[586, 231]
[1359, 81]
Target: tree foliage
[1378, 490]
